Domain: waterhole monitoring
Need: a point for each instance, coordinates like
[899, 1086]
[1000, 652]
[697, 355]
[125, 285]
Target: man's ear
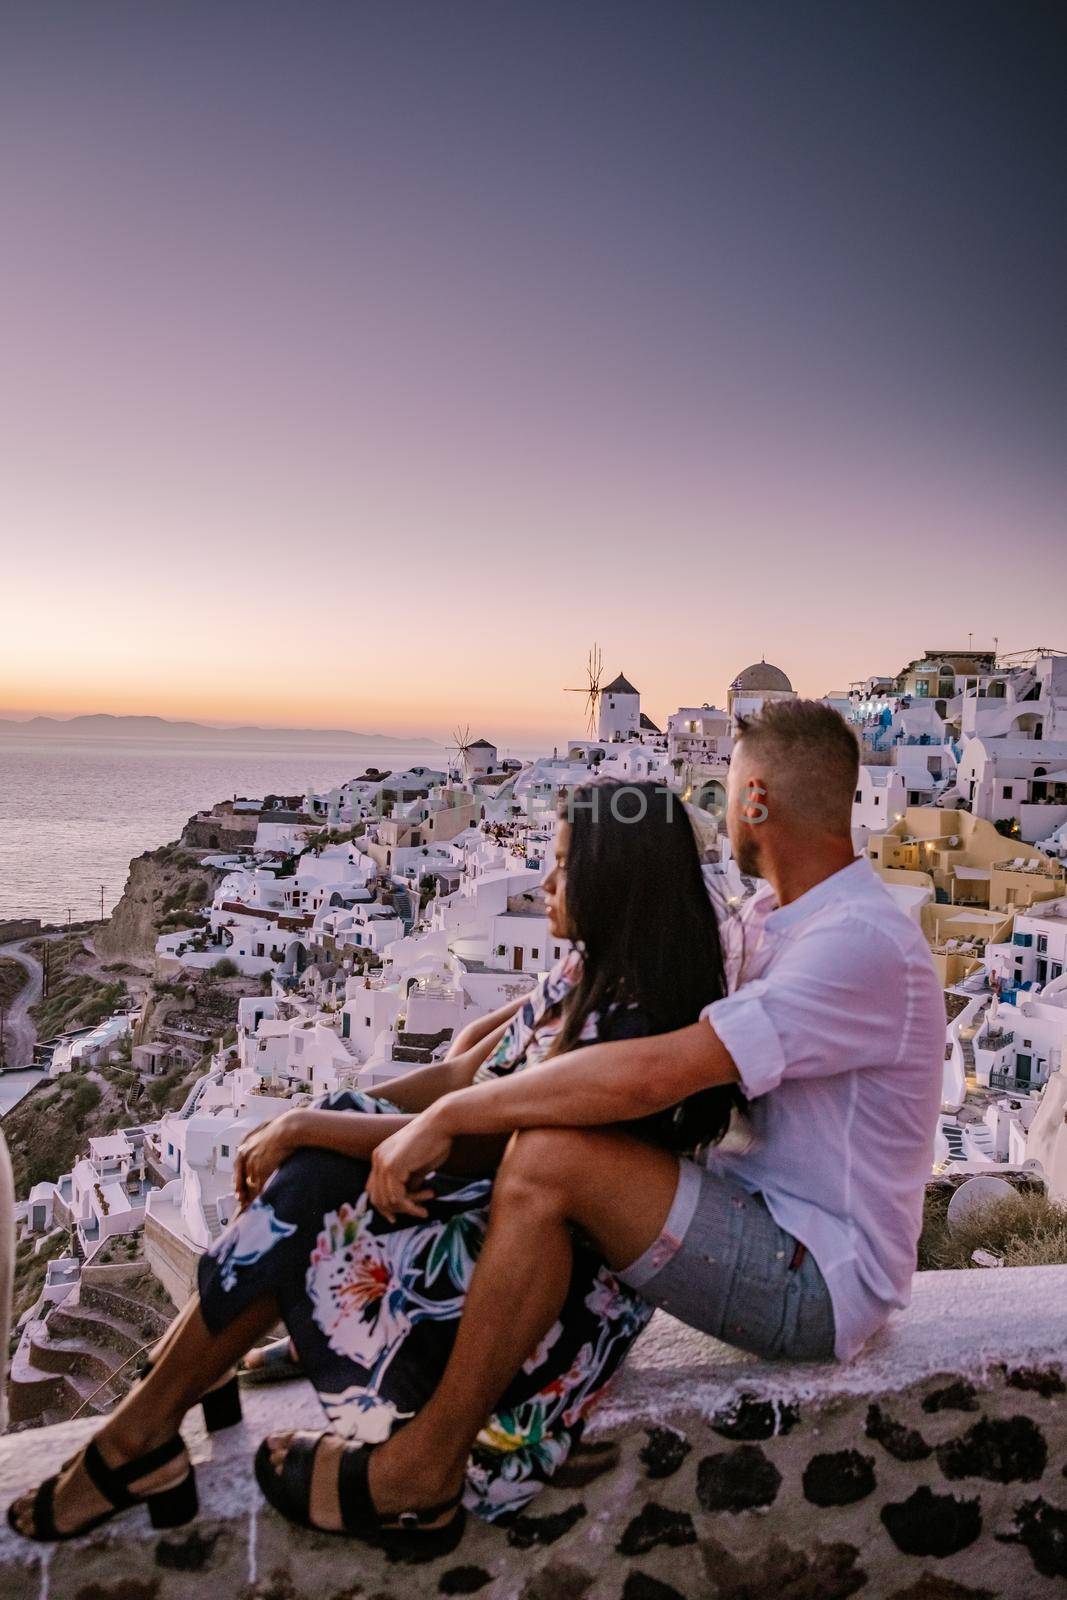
[753, 808]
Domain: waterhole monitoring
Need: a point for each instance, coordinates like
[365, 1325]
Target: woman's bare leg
[191, 1359]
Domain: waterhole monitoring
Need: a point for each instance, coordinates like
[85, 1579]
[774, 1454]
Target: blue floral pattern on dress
[248, 1239]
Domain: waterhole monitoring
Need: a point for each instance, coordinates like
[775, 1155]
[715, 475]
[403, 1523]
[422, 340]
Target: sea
[74, 811]
[13, 1085]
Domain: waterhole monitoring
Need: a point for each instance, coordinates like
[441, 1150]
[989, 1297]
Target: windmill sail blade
[594, 667]
[462, 738]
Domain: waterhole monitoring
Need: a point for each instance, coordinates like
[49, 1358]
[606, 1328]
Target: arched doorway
[711, 796]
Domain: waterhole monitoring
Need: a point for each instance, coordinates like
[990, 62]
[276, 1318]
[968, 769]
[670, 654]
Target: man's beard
[747, 856]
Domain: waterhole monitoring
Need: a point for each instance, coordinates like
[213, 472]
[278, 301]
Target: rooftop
[761, 676]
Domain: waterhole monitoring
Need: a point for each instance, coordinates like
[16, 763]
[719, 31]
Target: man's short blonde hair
[810, 759]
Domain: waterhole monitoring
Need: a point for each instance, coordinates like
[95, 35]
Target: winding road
[20, 1035]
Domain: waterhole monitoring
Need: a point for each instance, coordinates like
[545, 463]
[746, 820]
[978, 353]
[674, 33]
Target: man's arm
[598, 1086]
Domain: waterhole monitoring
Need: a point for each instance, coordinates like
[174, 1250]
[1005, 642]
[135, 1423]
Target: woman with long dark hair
[372, 1302]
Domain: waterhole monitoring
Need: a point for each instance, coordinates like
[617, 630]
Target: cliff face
[50, 1127]
[164, 890]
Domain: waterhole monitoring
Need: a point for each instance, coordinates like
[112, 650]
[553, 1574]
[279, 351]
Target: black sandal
[289, 1491]
[167, 1508]
[279, 1364]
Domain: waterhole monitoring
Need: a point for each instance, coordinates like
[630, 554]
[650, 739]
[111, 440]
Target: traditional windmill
[461, 761]
[592, 691]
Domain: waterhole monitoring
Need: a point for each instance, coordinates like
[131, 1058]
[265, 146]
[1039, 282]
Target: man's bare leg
[619, 1192]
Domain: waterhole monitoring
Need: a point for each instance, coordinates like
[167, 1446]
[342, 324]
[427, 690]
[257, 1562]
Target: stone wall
[932, 1468]
[220, 833]
[12, 929]
[172, 1260]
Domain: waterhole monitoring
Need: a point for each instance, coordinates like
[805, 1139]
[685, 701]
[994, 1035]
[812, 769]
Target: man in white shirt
[798, 1244]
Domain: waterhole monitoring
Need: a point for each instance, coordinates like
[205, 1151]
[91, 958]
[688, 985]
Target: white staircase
[954, 1139]
[211, 1217]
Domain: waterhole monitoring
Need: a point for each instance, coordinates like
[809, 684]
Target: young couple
[733, 1121]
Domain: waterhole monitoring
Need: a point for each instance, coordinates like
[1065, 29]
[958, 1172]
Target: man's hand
[400, 1164]
[261, 1152]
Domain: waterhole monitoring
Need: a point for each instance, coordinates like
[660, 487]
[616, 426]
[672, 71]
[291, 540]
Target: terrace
[994, 1039]
[1009, 1082]
[1038, 866]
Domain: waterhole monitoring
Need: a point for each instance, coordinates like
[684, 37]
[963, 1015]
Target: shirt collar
[845, 882]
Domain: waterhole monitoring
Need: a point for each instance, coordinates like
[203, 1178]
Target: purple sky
[365, 362]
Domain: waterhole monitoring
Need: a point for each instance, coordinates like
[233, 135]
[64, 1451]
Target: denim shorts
[723, 1265]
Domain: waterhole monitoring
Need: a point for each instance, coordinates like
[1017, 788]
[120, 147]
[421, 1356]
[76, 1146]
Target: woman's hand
[400, 1164]
[261, 1152]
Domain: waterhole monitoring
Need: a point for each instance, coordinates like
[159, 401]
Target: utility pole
[101, 902]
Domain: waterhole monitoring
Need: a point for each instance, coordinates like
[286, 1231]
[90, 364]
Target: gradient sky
[363, 362]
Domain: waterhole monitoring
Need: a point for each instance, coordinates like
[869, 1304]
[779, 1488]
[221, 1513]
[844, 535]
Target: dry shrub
[1028, 1230]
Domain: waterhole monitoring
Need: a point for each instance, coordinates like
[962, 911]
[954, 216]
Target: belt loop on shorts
[798, 1257]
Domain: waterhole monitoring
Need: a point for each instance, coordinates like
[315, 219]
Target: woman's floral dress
[373, 1306]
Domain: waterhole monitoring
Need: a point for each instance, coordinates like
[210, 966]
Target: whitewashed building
[1016, 780]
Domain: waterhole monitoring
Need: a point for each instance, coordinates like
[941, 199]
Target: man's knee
[544, 1161]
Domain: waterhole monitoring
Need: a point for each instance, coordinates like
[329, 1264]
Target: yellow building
[978, 880]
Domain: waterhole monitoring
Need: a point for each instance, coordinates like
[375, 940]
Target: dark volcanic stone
[525, 1532]
[1045, 1381]
[1043, 1530]
[121, 1589]
[825, 1572]
[748, 1418]
[639, 1586]
[839, 1479]
[664, 1453]
[464, 1580]
[902, 1443]
[928, 1524]
[278, 1586]
[932, 1587]
[1003, 1451]
[737, 1480]
[558, 1581]
[959, 1396]
[588, 1462]
[653, 1526]
[188, 1554]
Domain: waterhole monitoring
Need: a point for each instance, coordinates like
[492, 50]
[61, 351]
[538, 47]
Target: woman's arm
[419, 1089]
[477, 1031]
[357, 1133]
[350, 1133]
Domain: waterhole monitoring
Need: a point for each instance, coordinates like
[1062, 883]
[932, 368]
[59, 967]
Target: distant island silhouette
[103, 724]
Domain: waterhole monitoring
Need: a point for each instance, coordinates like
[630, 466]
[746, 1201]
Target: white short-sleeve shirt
[836, 1024]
